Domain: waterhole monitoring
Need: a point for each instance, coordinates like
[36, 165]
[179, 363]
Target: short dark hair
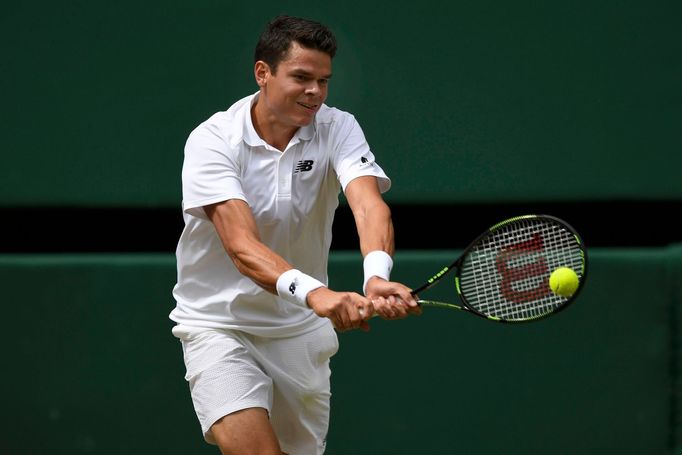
[281, 31]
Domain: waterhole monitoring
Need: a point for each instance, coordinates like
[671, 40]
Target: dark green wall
[90, 365]
[465, 101]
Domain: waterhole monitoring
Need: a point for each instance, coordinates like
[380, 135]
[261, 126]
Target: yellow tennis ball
[564, 281]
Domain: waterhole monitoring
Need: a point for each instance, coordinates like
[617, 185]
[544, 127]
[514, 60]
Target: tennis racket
[503, 275]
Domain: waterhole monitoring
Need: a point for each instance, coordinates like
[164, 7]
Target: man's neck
[273, 133]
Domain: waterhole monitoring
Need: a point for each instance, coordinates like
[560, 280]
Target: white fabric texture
[290, 377]
[293, 196]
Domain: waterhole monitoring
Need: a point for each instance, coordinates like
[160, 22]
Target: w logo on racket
[529, 266]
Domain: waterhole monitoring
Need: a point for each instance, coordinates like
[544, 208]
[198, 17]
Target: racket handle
[432, 303]
[438, 304]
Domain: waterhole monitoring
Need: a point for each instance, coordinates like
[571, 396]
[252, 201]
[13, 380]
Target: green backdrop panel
[675, 280]
[593, 379]
[464, 101]
[91, 365]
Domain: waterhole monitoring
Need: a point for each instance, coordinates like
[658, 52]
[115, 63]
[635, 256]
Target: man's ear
[261, 71]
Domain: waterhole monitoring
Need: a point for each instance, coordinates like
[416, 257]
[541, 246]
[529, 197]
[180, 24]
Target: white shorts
[229, 370]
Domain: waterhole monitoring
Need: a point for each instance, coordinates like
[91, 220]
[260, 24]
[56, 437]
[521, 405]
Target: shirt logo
[303, 166]
[292, 288]
[365, 162]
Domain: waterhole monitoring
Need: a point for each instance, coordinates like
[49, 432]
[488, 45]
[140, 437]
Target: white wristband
[294, 286]
[377, 263]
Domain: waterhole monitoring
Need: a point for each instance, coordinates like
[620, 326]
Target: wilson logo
[303, 166]
[535, 267]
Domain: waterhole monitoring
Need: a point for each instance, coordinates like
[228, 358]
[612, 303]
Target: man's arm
[372, 215]
[236, 227]
[375, 229]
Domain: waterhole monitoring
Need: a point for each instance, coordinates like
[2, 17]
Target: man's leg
[246, 432]
[299, 368]
[230, 392]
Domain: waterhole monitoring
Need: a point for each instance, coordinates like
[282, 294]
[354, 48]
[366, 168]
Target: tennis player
[261, 183]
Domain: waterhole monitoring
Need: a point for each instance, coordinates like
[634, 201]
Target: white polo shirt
[293, 196]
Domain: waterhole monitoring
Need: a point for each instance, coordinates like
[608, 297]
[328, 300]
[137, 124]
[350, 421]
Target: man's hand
[347, 310]
[391, 300]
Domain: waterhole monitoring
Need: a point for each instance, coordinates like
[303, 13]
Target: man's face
[297, 90]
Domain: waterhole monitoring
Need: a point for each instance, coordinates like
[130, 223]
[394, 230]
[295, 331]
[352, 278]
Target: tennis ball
[564, 281]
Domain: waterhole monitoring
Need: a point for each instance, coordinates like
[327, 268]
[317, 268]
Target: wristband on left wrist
[376, 263]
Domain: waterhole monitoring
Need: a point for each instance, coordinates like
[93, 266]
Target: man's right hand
[346, 310]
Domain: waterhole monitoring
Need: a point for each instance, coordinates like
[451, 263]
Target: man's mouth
[311, 107]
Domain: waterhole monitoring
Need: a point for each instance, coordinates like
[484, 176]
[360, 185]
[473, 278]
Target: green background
[92, 367]
[464, 101]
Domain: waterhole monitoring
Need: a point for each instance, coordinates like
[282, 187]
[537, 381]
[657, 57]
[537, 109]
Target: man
[260, 187]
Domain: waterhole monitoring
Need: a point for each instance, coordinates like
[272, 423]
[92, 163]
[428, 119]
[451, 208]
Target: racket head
[503, 275]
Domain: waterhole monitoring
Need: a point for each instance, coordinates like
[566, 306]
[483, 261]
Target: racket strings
[506, 274]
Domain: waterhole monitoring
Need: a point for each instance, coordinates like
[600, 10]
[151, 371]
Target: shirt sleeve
[210, 172]
[353, 157]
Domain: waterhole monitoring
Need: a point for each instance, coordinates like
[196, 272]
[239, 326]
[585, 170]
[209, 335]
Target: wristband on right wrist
[294, 286]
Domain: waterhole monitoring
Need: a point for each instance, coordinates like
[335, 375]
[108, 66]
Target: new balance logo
[303, 166]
